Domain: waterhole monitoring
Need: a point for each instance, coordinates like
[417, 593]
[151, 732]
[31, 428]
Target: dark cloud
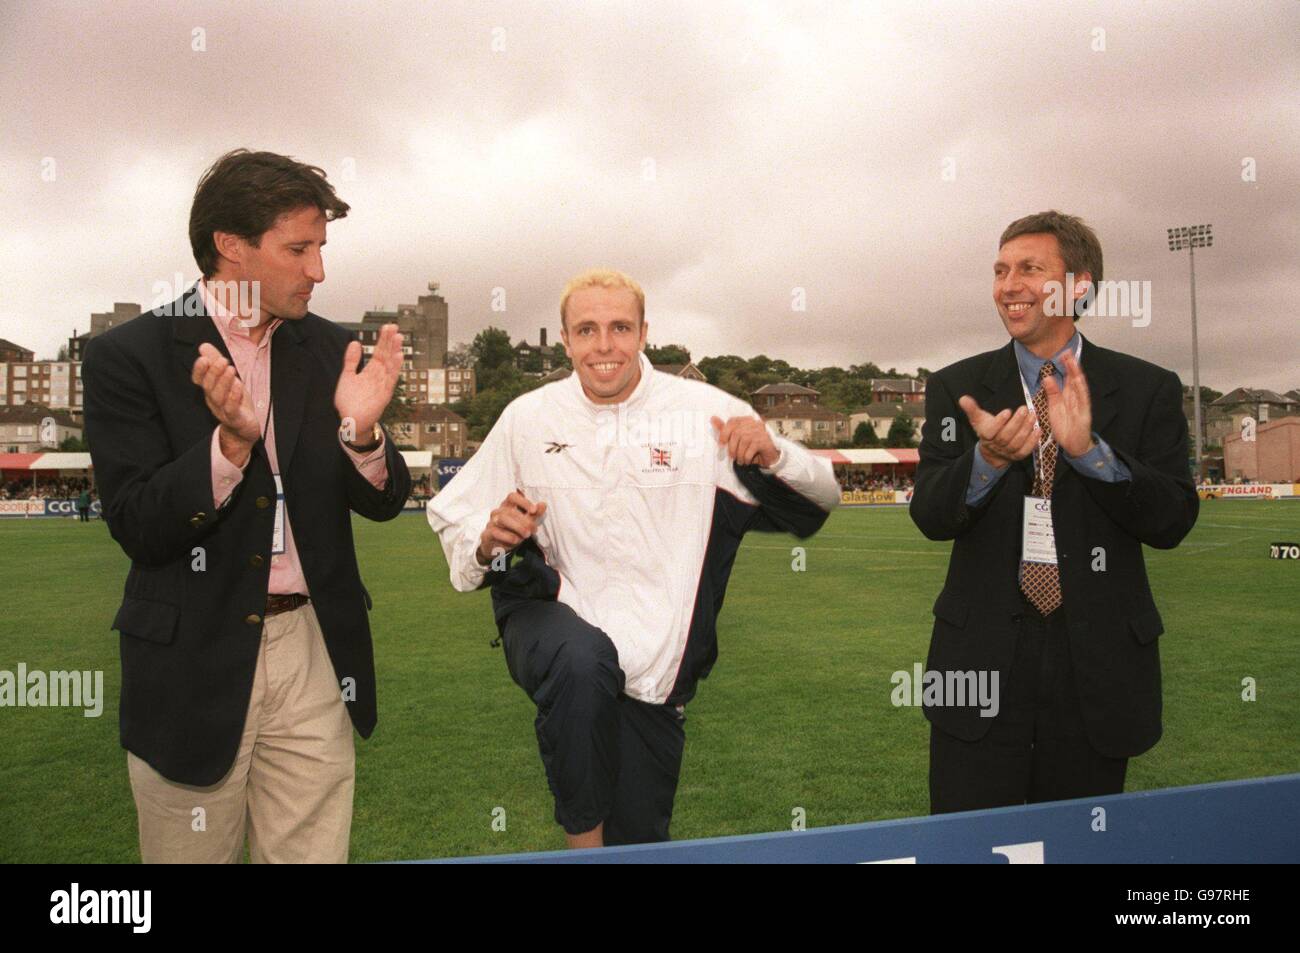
[726, 154]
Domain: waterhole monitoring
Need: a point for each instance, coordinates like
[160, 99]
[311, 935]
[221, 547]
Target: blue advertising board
[68, 507]
[447, 469]
[46, 506]
[1256, 821]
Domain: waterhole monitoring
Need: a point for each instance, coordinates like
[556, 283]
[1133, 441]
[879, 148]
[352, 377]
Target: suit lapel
[1002, 382]
[1002, 391]
[1103, 393]
[1103, 384]
[289, 380]
[191, 327]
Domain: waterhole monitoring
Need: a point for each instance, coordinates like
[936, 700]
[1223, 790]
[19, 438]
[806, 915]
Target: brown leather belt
[276, 603]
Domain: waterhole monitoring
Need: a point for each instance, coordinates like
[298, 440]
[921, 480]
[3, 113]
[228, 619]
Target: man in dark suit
[232, 437]
[1049, 462]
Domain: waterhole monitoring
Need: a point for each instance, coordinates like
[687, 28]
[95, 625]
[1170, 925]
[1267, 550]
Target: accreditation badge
[1038, 542]
[277, 536]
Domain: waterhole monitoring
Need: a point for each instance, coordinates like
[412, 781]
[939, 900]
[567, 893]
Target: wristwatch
[376, 438]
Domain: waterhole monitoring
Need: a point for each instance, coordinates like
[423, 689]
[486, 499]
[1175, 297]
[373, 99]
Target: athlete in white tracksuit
[607, 609]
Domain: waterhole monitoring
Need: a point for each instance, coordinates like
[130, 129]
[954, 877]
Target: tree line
[498, 381]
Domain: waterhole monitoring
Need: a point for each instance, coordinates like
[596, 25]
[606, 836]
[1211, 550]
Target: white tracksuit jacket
[644, 514]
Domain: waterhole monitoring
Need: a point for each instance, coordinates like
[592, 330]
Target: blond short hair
[602, 278]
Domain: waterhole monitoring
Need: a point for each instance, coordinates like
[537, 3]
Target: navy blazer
[191, 614]
[1110, 614]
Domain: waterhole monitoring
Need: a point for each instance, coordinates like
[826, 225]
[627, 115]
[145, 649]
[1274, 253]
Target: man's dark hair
[1080, 249]
[245, 192]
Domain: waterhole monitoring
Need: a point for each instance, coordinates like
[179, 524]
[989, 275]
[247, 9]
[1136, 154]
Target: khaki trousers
[290, 788]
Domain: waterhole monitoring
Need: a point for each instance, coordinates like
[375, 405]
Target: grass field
[797, 712]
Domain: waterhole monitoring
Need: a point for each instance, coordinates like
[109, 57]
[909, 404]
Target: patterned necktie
[1041, 582]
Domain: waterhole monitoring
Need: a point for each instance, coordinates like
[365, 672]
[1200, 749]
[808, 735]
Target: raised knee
[590, 662]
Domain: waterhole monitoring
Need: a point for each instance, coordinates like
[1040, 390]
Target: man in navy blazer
[1049, 462]
[233, 435]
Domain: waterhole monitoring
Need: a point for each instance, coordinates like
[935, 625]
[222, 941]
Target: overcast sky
[724, 154]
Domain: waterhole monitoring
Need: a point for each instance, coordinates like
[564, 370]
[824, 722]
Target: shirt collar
[226, 321]
[1031, 365]
[634, 399]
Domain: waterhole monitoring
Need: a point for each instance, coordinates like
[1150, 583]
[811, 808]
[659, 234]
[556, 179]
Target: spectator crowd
[862, 480]
[53, 487]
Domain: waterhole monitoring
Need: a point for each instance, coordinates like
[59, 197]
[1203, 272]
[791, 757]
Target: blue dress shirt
[1099, 463]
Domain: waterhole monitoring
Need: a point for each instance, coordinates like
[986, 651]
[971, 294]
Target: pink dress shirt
[253, 362]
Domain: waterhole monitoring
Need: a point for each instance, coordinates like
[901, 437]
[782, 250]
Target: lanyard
[1029, 402]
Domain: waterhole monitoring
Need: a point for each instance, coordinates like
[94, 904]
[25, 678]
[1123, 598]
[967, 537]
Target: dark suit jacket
[1110, 615]
[190, 630]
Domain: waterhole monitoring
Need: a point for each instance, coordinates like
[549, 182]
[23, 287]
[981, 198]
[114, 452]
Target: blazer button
[255, 561]
[253, 618]
[262, 502]
[198, 518]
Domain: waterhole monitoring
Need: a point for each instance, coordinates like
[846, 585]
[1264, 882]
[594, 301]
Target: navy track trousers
[608, 757]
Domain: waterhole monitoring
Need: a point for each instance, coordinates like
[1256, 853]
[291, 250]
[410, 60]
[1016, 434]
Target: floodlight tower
[1193, 237]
